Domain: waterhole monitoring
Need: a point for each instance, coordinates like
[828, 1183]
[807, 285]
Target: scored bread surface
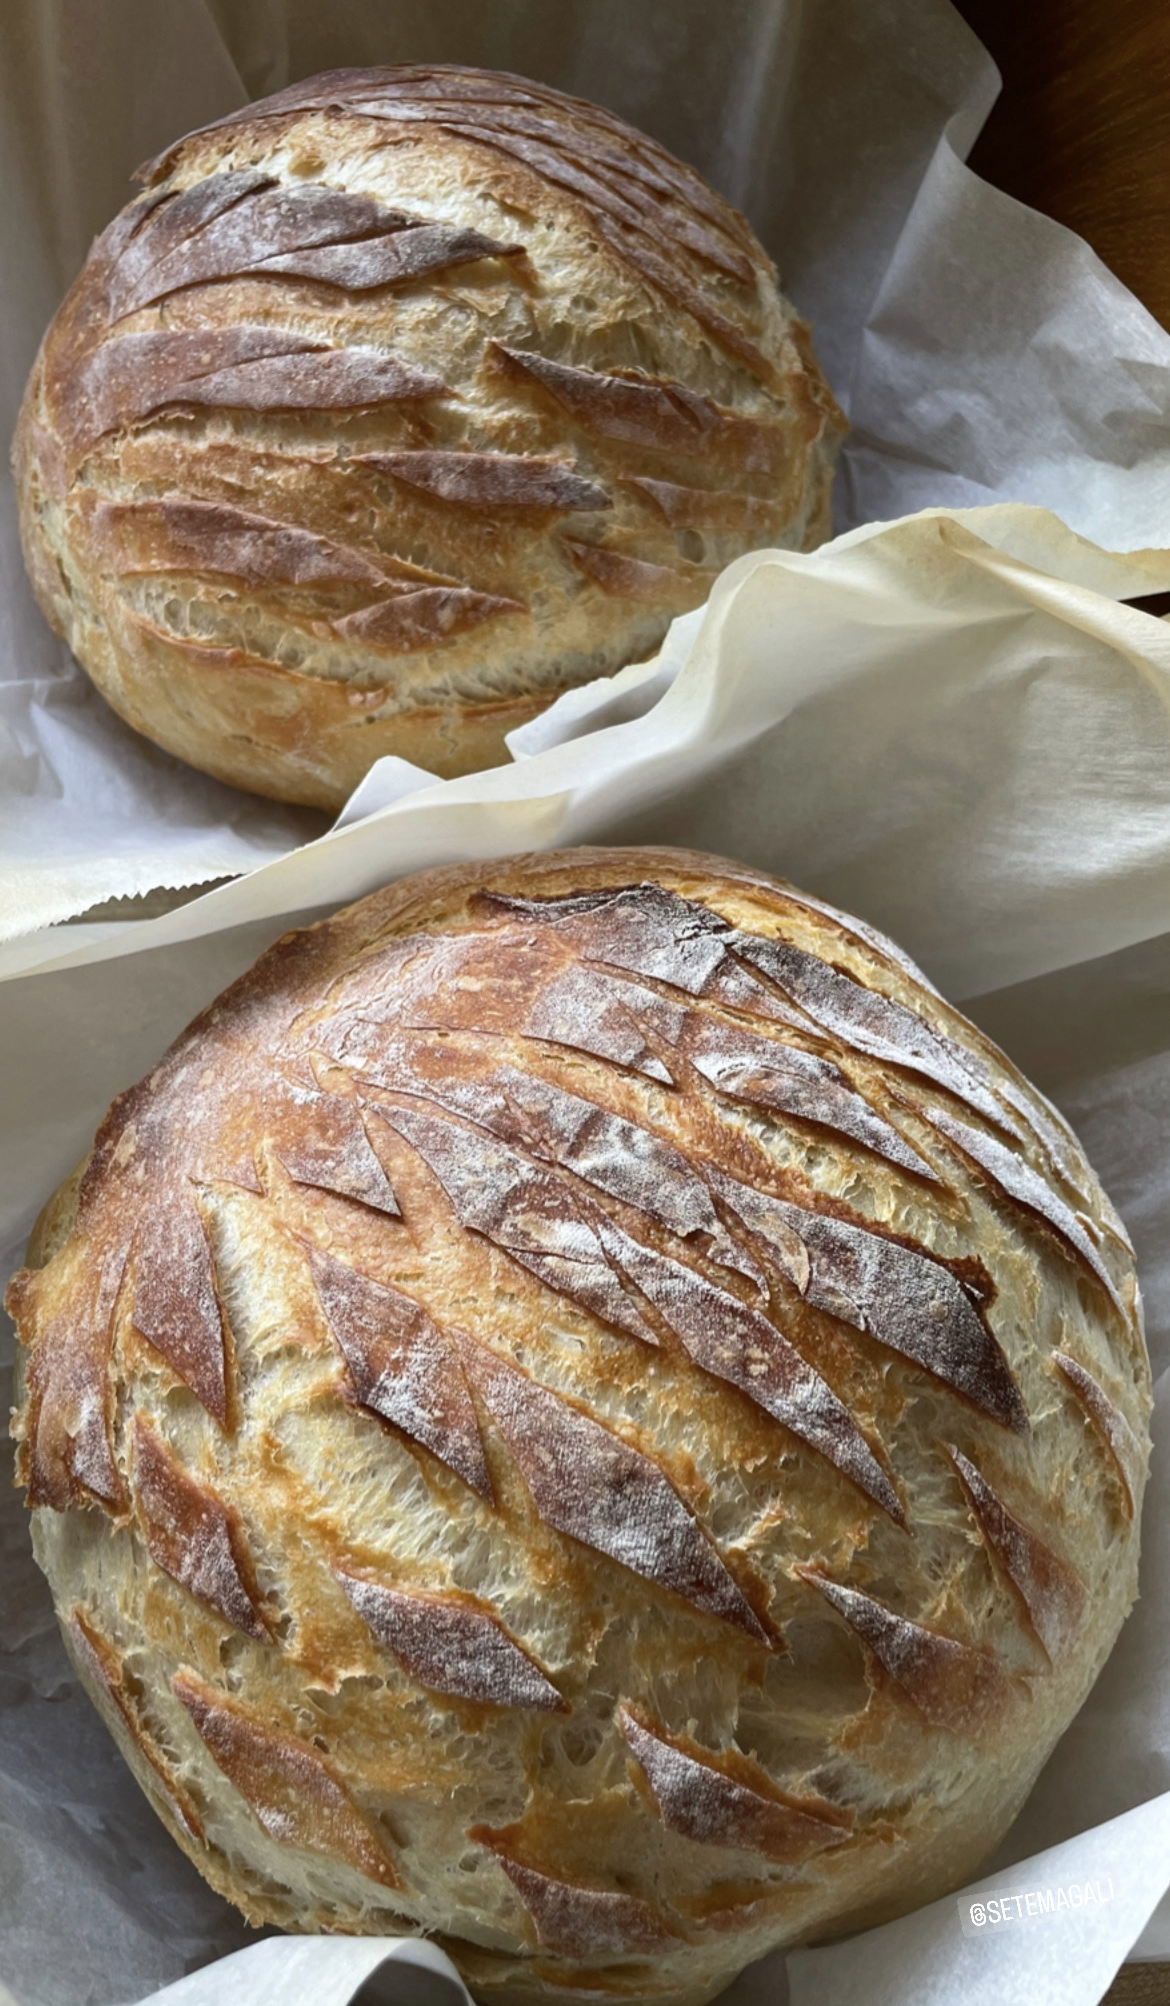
[396, 404]
[584, 1411]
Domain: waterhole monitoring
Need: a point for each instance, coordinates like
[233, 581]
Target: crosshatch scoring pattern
[394, 405]
[583, 1409]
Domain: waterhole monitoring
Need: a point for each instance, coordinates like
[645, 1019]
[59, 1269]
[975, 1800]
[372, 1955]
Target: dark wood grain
[1140, 1985]
[1082, 130]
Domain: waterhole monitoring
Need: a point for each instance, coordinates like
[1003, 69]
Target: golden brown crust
[1127, 1454]
[54, 1221]
[953, 1685]
[392, 408]
[729, 1800]
[1051, 1593]
[579, 1922]
[294, 1795]
[450, 1644]
[103, 1676]
[615, 171]
[66, 1455]
[552, 1385]
[193, 1536]
[592, 1484]
[401, 1365]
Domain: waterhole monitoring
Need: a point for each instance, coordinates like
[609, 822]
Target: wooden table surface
[1082, 131]
[1140, 1985]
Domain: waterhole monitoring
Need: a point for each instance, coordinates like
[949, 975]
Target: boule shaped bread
[582, 1410]
[396, 404]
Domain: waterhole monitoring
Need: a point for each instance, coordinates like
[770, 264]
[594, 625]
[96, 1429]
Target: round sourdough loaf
[396, 404]
[584, 1411]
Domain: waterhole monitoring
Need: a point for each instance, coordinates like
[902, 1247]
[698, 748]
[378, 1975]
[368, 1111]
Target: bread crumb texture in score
[584, 1411]
[396, 404]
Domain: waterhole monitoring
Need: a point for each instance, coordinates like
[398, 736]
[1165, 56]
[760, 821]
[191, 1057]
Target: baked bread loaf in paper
[581, 1409]
[393, 406]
